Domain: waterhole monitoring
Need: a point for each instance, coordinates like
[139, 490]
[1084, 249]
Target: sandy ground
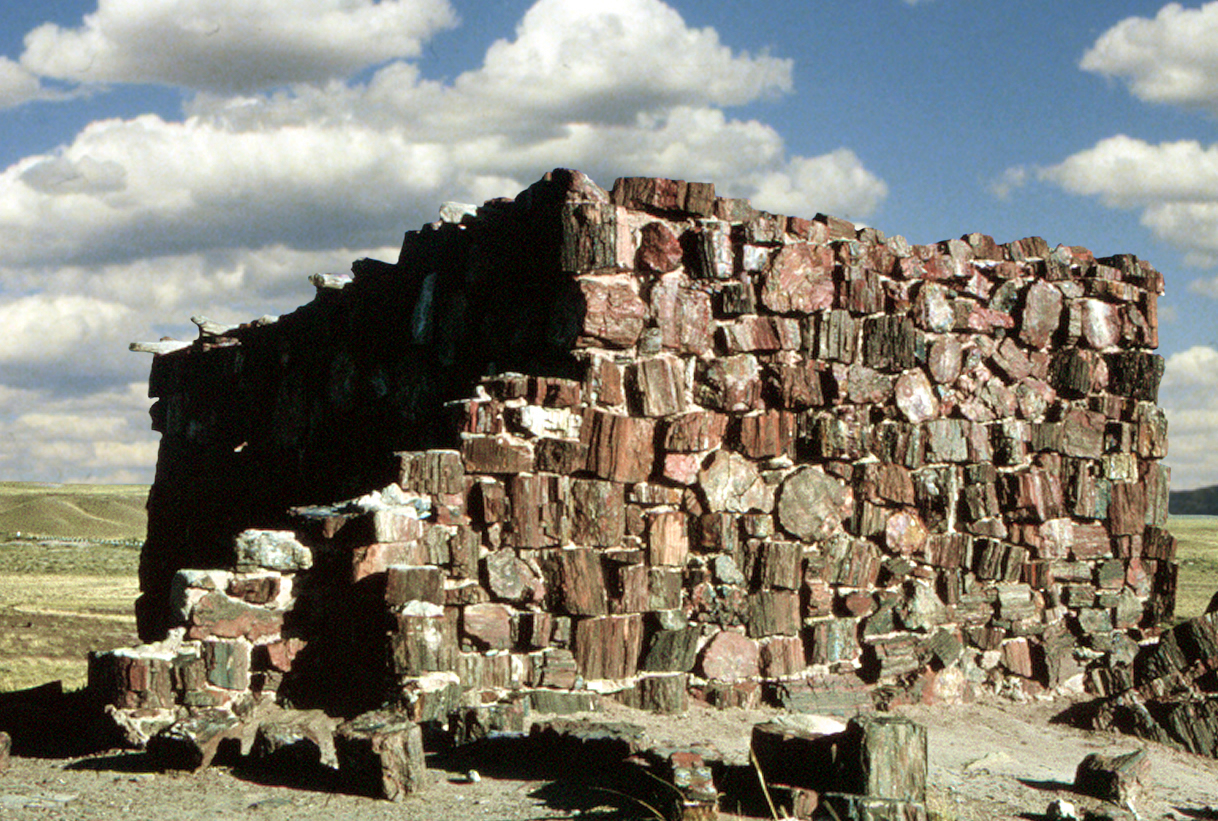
[995, 760]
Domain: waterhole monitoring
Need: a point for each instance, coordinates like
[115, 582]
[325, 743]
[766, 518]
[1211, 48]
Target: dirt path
[996, 760]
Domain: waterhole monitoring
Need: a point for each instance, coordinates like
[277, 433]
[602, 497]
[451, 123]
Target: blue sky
[163, 158]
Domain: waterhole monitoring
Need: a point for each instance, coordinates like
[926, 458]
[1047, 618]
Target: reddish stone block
[431, 471]
[620, 448]
[694, 432]
[255, 589]
[773, 613]
[1090, 542]
[731, 657]
[534, 510]
[1127, 510]
[553, 392]
[759, 334]
[949, 550]
[818, 599]
[1082, 433]
[630, 588]
[798, 387]
[945, 359]
[683, 314]
[800, 280]
[781, 656]
[561, 456]
[858, 603]
[656, 194]
[614, 315]
[682, 468]
[1017, 657]
[604, 380]
[609, 647]
[225, 617]
[405, 583]
[582, 582]
[667, 539]
[659, 385]
[885, 481]
[496, 454]
[596, 511]
[487, 626]
[768, 434]
[280, 654]
[659, 249]
[731, 383]
[780, 565]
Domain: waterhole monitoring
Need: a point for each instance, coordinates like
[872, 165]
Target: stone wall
[651, 442]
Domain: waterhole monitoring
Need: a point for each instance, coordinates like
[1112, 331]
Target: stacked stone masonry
[653, 441]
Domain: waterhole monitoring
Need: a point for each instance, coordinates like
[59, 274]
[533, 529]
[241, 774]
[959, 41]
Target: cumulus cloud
[607, 61]
[283, 165]
[1174, 184]
[101, 437]
[1172, 58]
[232, 46]
[17, 85]
[836, 183]
[1186, 394]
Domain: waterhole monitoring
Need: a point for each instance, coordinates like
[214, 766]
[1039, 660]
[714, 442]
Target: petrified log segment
[583, 434]
[381, 754]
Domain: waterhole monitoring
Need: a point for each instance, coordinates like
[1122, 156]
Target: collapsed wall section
[655, 439]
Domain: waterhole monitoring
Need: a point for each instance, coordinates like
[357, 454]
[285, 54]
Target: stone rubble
[652, 443]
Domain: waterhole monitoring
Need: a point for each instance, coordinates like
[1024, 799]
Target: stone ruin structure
[652, 442]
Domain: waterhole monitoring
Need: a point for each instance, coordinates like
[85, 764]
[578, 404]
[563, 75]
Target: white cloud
[836, 183]
[232, 46]
[102, 437]
[1123, 171]
[17, 85]
[1172, 58]
[1174, 184]
[1012, 179]
[1189, 385]
[78, 324]
[607, 61]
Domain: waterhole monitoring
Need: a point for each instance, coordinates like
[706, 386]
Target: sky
[169, 158]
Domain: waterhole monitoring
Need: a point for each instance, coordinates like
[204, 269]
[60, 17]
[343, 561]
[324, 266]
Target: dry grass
[49, 623]
[1198, 555]
[79, 511]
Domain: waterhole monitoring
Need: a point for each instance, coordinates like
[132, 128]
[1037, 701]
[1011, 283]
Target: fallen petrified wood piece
[380, 753]
[1121, 779]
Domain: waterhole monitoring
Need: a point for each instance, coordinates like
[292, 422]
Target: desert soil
[990, 760]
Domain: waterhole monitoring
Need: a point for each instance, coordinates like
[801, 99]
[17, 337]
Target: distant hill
[1200, 502]
[74, 511]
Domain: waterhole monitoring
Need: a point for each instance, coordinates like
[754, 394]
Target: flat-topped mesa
[652, 439]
